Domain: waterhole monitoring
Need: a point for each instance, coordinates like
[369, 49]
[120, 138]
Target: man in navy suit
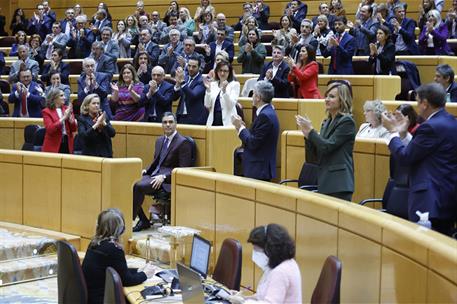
[191, 91]
[297, 11]
[188, 52]
[341, 48]
[40, 23]
[444, 75]
[157, 96]
[171, 51]
[81, 40]
[221, 44]
[261, 12]
[68, 23]
[146, 44]
[364, 30]
[27, 96]
[260, 141]
[102, 20]
[404, 36]
[172, 150]
[104, 63]
[431, 156]
[95, 82]
[276, 72]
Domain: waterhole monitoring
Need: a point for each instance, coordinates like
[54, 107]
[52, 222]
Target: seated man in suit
[95, 82]
[147, 45]
[431, 156]
[172, 150]
[110, 46]
[260, 141]
[444, 75]
[171, 51]
[341, 48]
[276, 72]
[157, 96]
[191, 93]
[23, 61]
[103, 63]
[27, 96]
[56, 39]
[81, 39]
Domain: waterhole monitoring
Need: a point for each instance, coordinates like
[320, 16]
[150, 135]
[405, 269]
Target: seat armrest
[309, 187]
[285, 181]
[371, 200]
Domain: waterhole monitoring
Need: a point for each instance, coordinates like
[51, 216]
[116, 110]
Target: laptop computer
[199, 257]
[191, 285]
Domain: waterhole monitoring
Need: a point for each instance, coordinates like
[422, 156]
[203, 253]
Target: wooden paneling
[11, 197]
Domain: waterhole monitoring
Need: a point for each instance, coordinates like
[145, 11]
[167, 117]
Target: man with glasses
[147, 45]
[188, 52]
[248, 10]
[81, 39]
[157, 96]
[171, 51]
[173, 19]
[68, 23]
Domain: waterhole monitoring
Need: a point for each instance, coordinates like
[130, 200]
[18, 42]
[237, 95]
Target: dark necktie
[338, 39]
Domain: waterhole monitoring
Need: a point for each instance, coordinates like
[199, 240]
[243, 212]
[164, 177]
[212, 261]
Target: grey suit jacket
[112, 51]
[332, 151]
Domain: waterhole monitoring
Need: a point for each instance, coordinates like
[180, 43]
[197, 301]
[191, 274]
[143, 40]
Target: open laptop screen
[199, 258]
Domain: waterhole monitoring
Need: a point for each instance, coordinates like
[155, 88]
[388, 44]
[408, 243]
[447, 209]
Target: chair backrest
[193, 149]
[248, 87]
[5, 86]
[327, 289]
[38, 139]
[71, 284]
[114, 292]
[308, 174]
[228, 266]
[29, 133]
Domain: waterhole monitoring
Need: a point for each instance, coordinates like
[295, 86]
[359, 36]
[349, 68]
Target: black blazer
[95, 143]
[159, 103]
[63, 69]
[280, 81]
[100, 257]
[386, 58]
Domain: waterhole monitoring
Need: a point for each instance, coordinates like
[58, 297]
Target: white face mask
[260, 259]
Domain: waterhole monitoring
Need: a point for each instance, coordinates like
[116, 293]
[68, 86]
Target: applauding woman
[94, 129]
[59, 122]
[126, 93]
[221, 95]
[382, 54]
[332, 148]
[304, 74]
[252, 54]
[56, 65]
[433, 38]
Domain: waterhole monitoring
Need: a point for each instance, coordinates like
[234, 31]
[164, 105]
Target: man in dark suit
[341, 49]
[364, 30]
[306, 38]
[431, 155]
[276, 72]
[444, 75]
[95, 82]
[40, 23]
[297, 11]
[110, 46]
[191, 91]
[149, 46]
[101, 20]
[221, 44]
[157, 96]
[171, 51]
[103, 63]
[324, 9]
[404, 36]
[188, 52]
[27, 96]
[260, 141]
[261, 12]
[81, 40]
[68, 24]
[172, 150]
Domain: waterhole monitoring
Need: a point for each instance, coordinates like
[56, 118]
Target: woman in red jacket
[304, 73]
[59, 122]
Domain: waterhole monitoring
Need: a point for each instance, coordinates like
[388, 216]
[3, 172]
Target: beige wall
[385, 259]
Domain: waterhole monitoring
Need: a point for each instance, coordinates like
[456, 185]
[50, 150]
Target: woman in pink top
[274, 253]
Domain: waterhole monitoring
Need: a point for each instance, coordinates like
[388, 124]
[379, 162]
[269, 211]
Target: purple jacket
[439, 40]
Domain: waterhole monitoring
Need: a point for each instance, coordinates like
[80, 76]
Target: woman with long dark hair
[221, 95]
[382, 54]
[304, 73]
[19, 22]
[105, 250]
[283, 36]
[21, 39]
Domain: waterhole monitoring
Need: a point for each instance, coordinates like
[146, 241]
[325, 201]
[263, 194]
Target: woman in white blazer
[221, 95]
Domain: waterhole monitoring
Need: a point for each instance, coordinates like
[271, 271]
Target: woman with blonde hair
[105, 250]
[94, 129]
[433, 38]
[331, 148]
[372, 128]
[249, 25]
[126, 94]
[186, 20]
[59, 122]
[205, 7]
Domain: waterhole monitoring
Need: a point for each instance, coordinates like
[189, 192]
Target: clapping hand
[429, 26]
[181, 61]
[179, 75]
[290, 62]
[237, 121]
[395, 23]
[269, 74]
[152, 86]
[207, 49]
[305, 124]
[248, 47]
[333, 42]
[114, 87]
[170, 50]
[207, 83]
[395, 123]
[224, 86]
[373, 49]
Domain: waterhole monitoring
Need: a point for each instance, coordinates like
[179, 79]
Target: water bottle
[423, 219]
